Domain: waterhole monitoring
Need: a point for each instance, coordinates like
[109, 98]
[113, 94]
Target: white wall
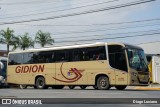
[151, 48]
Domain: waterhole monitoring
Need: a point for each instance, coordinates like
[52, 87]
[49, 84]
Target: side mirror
[1, 65]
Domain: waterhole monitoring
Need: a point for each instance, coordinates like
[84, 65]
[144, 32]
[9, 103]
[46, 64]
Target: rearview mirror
[1, 65]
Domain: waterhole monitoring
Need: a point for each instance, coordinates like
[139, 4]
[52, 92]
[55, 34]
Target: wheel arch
[37, 76]
[102, 74]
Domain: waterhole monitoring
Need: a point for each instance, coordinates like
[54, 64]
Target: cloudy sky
[136, 24]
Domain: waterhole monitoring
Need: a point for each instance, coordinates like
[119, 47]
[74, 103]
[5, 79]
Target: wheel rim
[103, 83]
[41, 83]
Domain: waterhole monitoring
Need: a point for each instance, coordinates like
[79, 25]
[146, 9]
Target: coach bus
[101, 65]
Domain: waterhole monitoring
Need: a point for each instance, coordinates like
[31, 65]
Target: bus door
[121, 69]
[117, 60]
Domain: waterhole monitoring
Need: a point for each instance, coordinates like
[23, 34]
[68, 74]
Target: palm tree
[23, 42]
[43, 38]
[7, 37]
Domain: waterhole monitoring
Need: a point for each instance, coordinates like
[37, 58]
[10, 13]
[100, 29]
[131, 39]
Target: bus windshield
[137, 59]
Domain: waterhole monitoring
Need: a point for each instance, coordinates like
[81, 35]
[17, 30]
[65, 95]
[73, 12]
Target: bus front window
[137, 59]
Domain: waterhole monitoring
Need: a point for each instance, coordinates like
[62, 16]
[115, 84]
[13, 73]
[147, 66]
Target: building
[3, 53]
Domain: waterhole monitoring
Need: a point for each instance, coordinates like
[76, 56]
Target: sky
[86, 28]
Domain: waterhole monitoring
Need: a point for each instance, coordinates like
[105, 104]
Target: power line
[95, 30]
[108, 34]
[148, 43]
[55, 7]
[122, 37]
[60, 10]
[81, 13]
[30, 2]
[104, 24]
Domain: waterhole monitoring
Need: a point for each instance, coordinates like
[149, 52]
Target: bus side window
[96, 53]
[16, 59]
[62, 56]
[75, 55]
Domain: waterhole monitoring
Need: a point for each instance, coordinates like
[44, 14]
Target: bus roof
[74, 46]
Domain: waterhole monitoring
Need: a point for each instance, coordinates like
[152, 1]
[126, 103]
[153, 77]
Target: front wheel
[22, 86]
[103, 83]
[121, 87]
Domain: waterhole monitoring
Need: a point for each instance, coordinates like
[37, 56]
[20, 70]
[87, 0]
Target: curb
[148, 88]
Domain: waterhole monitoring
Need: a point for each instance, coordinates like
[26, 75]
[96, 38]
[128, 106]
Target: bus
[101, 65]
[3, 71]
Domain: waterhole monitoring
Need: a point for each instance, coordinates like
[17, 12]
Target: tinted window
[88, 54]
[96, 53]
[69, 55]
[117, 57]
[62, 55]
[46, 57]
[15, 59]
[32, 58]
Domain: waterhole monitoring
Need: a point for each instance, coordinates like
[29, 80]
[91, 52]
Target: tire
[120, 87]
[22, 86]
[40, 83]
[58, 86]
[83, 87]
[95, 87]
[71, 86]
[103, 83]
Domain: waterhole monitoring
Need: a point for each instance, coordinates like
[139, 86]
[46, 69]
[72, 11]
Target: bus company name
[29, 69]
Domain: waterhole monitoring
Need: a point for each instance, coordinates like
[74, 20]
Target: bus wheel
[95, 87]
[71, 86]
[40, 83]
[121, 87]
[58, 86]
[103, 83]
[83, 87]
[22, 86]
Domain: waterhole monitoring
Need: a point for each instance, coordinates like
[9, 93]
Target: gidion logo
[29, 69]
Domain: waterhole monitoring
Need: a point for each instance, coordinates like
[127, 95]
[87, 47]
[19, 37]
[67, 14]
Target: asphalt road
[78, 93]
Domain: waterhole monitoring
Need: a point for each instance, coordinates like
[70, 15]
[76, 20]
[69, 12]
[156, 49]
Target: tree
[43, 38]
[7, 37]
[23, 42]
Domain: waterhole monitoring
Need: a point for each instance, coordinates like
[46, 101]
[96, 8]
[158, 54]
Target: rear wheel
[83, 87]
[103, 83]
[22, 86]
[40, 83]
[121, 87]
[71, 86]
